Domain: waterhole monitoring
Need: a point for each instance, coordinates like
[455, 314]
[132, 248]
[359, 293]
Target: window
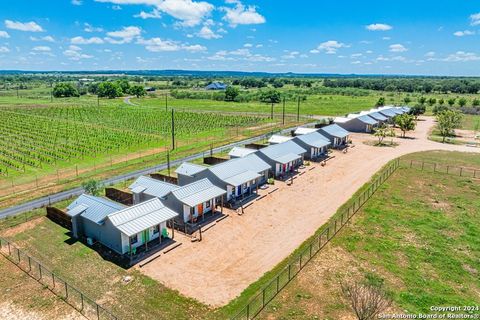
[156, 229]
[207, 204]
[133, 239]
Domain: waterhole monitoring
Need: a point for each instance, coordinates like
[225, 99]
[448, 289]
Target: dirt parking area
[240, 249]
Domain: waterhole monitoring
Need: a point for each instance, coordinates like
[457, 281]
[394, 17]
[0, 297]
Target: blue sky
[368, 37]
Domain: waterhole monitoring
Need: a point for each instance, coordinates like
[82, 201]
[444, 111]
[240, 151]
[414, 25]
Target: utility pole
[271, 112]
[98, 100]
[298, 109]
[168, 162]
[166, 102]
[173, 130]
[283, 118]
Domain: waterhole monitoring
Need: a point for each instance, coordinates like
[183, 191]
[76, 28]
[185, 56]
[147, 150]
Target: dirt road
[240, 249]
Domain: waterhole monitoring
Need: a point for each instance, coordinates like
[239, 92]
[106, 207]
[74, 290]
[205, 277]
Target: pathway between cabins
[240, 249]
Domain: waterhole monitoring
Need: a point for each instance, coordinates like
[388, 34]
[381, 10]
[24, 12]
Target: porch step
[172, 247]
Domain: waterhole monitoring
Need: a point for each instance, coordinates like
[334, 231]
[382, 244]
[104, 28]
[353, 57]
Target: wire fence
[68, 293]
[460, 171]
[266, 295]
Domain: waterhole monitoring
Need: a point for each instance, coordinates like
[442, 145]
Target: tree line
[422, 85]
[106, 89]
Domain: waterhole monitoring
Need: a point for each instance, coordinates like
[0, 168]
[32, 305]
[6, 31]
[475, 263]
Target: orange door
[200, 209]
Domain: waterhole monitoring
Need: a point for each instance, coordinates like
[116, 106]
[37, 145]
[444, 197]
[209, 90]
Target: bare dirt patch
[10, 232]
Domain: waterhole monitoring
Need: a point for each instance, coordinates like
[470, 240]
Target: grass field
[418, 235]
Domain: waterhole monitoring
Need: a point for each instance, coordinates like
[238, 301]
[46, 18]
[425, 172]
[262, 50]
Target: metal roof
[314, 139]
[342, 119]
[335, 130]
[77, 210]
[241, 178]
[276, 151]
[240, 152]
[367, 120]
[276, 138]
[377, 116]
[233, 167]
[288, 158]
[198, 192]
[140, 217]
[151, 186]
[303, 130]
[386, 112]
[189, 169]
[96, 208]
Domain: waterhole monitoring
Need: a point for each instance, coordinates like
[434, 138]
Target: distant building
[216, 86]
[150, 89]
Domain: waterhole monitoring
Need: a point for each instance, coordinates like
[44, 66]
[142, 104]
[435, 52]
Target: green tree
[405, 122]
[441, 101]
[381, 133]
[432, 101]
[231, 93]
[462, 102]
[475, 102]
[124, 85]
[422, 100]
[407, 100]
[439, 108]
[109, 90]
[447, 122]
[92, 187]
[270, 96]
[417, 110]
[451, 102]
[380, 102]
[138, 91]
[65, 90]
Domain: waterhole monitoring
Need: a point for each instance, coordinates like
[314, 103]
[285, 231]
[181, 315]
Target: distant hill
[206, 74]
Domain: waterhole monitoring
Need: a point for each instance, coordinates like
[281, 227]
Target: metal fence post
[461, 169]
[81, 298]
[66, 290]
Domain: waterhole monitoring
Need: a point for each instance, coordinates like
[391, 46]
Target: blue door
[239, 188]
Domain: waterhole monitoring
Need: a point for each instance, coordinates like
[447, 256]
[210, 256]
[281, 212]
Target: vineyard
[33, 138]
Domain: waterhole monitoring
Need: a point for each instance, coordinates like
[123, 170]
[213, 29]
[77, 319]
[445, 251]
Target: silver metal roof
[241, 178]
[189, 169]
[276, 138]
[97, 208]
[386, 112]
[367, 120]
[288, 158]
[377, 116]
[140, 217]
[77, 210]
[277, 151]
[313, 139]
[335, 130]
[303, 130]
[198, 192]
[237, 166]
[240, 152]
[151, 186]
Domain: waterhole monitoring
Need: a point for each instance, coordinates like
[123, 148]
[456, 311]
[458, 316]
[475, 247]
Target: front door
[239, 190]
[200, 209]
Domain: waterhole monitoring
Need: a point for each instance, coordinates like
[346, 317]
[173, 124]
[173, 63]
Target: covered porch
[287, 165]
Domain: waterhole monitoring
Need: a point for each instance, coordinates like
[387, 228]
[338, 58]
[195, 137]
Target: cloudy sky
[364, 37]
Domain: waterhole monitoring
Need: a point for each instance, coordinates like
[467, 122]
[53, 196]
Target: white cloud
[242, 54]
[90, 28]
[82, 40]
[4, 34]
[379, 27]
[397, 48]
[23, 26]
[241, 15]
[42, 49]
[155, 14]
[4, 49]
[430, 54]
[329, 47]
[291, 55]
[160, 45]
[207, 33]
[125, 35]
[386, 38]
[464, 33]
[356, 62]
[77, 2]
[248, 45]
[475, 19]
[259, 46]
[116, 8]
[75, 53]
[191, 13]
[461, 56]
[46, 38]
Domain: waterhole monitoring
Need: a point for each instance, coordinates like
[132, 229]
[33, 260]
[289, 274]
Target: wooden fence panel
[60, 217]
